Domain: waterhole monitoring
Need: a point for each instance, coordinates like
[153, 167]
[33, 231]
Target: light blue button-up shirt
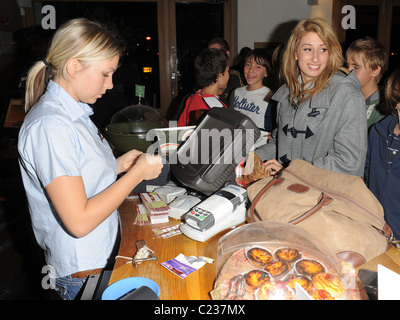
[58, 138]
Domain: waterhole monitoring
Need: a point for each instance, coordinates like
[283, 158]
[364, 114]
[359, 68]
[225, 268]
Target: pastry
[329, 283]
[277, 268]
[322, 295]
[302, 280]
[259, 257]
[309, 267]
[255, 279]
[287, 254]
[274, 290]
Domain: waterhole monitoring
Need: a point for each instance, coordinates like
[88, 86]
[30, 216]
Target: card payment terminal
[224, 209]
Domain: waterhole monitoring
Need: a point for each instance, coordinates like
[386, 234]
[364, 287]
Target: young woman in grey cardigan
[321, 110]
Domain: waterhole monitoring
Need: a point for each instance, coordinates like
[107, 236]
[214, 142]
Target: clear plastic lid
[266, 260]
[130, 127]
[137, 113]
[274, 234]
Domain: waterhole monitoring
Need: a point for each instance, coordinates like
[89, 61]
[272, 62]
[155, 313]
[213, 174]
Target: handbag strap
[276, 181]
[323, 200]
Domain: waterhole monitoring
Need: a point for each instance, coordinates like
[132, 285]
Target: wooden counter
[390, 259]
[198, 284]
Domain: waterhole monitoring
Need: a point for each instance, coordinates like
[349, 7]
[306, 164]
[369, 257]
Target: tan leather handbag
[336, 208]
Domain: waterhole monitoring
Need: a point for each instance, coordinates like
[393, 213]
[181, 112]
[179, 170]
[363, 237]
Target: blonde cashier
[68, 169]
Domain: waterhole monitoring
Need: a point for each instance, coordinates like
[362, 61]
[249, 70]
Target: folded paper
[182, 265]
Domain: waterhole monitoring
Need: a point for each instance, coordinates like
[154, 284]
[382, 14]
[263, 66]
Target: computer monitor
[209, 156]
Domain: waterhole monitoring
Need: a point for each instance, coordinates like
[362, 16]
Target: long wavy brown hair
[290, 66]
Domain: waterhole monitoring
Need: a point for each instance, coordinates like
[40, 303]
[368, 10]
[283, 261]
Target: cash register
[206, 162]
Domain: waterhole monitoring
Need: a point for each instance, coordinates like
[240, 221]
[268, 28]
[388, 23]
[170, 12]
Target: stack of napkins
[142, 218]
[156, 207]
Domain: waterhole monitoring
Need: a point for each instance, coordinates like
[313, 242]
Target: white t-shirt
[252, 104]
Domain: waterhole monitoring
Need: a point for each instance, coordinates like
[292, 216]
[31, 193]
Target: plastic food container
[264, 260]
[129, 128]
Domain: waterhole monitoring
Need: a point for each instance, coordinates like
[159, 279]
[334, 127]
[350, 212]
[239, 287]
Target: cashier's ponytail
[35, 84]
[82, 39]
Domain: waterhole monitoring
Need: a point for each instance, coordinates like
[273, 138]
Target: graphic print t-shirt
[252, 104]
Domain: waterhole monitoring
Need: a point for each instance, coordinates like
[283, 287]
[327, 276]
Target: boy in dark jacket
[382, 170]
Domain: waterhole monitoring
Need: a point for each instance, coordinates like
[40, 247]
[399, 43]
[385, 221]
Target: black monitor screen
[212, 151]
[208, 144]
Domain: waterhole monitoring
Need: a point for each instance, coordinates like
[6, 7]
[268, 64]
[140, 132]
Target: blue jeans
[68, 287]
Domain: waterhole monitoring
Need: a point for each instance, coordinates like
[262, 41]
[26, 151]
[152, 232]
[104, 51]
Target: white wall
[272, 20]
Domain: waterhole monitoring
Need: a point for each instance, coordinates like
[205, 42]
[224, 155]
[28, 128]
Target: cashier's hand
[148, 166]
[272, 166]
[127, 160]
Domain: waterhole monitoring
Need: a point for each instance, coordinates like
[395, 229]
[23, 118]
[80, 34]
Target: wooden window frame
[384, 18]
[167, 40]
